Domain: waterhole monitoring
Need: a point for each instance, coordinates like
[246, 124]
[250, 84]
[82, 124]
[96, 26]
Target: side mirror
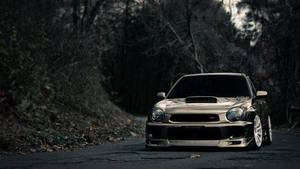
[161, 95]
[261, 94]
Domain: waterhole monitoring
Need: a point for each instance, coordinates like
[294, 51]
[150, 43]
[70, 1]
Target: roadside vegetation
[72, 72]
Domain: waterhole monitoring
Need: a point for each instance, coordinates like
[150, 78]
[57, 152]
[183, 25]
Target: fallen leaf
[194, 156]
[133, 134]
[55, 147]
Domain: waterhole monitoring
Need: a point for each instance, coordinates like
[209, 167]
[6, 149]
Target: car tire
[269, 136]
[257, 140]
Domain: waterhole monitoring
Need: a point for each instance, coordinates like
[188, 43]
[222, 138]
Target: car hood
[223, 104]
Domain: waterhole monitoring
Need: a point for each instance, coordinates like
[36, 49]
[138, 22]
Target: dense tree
[165, 40]
[277, 49]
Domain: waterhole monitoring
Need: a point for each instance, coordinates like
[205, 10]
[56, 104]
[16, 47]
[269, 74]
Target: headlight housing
[235, 114]
[157, 115]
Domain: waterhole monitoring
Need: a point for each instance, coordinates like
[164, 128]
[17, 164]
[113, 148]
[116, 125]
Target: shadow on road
[141, 148]
[196, 149]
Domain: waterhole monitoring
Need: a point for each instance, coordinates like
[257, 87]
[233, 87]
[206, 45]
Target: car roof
[221, 73]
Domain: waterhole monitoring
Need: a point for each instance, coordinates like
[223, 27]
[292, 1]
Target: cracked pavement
[283, 153]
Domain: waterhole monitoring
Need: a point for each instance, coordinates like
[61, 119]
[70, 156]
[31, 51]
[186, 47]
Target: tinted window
[210, 85]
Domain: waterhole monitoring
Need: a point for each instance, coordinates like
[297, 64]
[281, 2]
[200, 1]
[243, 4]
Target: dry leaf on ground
[194, 156]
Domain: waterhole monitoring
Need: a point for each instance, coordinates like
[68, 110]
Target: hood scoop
[201, 99]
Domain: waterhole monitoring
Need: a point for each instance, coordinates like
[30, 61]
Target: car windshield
[211, 85]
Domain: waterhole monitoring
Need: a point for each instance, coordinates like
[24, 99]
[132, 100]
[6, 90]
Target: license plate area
[194, 133]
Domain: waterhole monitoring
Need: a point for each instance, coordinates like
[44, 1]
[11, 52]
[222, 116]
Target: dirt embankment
[60, 118]
[67, 130]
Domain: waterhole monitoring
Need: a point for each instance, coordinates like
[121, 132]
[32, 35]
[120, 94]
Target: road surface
[283, 153]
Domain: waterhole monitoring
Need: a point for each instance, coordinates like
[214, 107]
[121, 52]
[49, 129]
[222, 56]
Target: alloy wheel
[258, 136]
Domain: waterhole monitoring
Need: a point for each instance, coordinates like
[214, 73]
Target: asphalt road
[283, 153]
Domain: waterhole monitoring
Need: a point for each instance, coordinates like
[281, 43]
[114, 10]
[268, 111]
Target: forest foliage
[81, 58]
[277, 49]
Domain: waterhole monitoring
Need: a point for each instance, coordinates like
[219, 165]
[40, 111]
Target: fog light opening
[234, 142]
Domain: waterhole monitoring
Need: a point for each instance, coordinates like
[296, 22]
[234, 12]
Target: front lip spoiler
[224, 124]
[224, 143]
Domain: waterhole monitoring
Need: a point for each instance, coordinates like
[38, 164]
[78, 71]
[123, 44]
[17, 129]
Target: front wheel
[269, 132]
[257, 134]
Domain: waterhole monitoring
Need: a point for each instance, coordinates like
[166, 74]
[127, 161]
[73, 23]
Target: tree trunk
[94, 13]
[84, 18]
[76, 15]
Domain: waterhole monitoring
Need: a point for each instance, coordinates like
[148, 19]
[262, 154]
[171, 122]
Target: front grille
[194, 133]
[194, 117]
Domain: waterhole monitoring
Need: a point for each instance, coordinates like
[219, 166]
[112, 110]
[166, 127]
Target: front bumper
[226, 134]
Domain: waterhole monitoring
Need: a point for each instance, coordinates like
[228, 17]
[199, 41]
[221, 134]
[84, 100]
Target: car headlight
[157, 115]
[235, 114]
